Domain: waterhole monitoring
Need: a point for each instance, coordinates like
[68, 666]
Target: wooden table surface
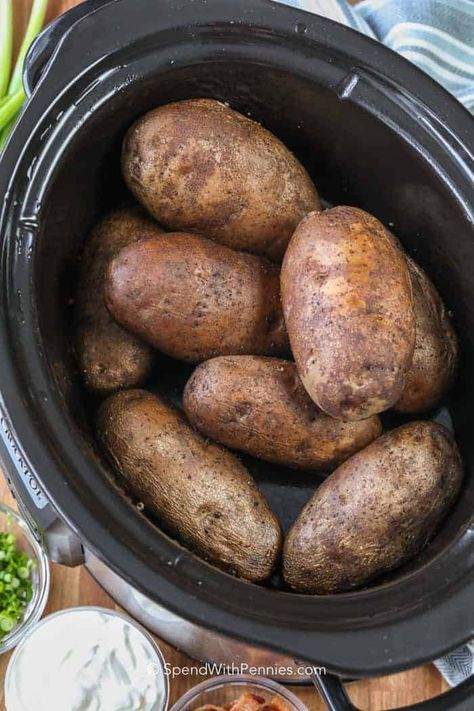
[74, 586]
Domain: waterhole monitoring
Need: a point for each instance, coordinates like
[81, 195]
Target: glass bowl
[11, 522]
[46, 630]
[221, 690]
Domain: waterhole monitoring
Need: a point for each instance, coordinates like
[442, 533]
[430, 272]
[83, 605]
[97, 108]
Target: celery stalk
[5, 132]
[15, 88]
[11, 107]
[35, 23]
[6, 38]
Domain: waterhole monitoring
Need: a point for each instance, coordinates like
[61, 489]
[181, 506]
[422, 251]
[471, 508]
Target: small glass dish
[70, 619]
[222, 690]
[11, 522]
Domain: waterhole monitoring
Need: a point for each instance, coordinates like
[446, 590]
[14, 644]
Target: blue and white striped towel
[438, 36]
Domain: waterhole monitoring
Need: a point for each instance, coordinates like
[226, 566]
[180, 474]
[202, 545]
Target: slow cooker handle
[44, 45]
[459, 698]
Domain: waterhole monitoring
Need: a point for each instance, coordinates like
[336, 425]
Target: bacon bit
[249, 702]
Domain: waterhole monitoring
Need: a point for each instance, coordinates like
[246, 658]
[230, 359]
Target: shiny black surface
[373, 132]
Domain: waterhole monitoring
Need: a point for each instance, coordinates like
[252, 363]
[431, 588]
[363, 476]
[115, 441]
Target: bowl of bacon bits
[239, 693]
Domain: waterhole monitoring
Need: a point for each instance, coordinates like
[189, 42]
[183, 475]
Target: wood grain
[74, 586]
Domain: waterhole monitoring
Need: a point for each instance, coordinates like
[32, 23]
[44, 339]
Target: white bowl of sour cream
[86, 658]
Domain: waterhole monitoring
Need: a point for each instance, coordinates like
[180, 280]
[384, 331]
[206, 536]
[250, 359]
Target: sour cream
[86, 659]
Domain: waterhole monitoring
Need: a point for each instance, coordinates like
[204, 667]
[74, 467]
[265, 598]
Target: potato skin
[436, 352]
[259, 405]
[109, 357]
[376, 511]
[200, 492]
[199, 166]
[194, 299]
[348, 308]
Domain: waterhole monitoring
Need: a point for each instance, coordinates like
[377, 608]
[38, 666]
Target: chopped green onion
[16, 587]
[6, 624]
[6, 37]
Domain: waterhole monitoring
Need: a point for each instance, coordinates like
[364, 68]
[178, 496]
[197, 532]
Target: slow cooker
[373, 131]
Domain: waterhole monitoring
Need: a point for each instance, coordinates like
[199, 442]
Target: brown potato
[199, 166]
[348, 309]
[194, 299]
[198, 490]
[109, 357]
[259, 405]
[376, 511]
[436, 352]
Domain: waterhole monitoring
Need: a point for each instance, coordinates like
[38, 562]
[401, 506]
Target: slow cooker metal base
[203, 645]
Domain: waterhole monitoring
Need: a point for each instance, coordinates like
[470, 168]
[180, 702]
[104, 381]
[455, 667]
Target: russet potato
[375, 512]
[199, 166]
[348, 306]
[109, 357]
[193, 299]
[258, 405]
[199, 491]
[436, 354]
